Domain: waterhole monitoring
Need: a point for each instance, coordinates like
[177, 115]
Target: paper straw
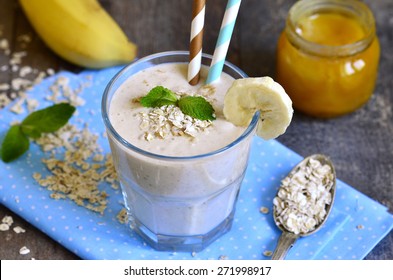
[224, 38]
[198, 18]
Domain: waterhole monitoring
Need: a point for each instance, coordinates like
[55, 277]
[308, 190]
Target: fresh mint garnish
[50, 119]
[47, 120]
[159, 96]
[194, 106]
[15, 144]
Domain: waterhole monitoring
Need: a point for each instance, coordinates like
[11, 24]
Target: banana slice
[249, 95]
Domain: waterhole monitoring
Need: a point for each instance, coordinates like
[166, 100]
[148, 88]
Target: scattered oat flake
[264, 210]
[19, 229]
[32, 104]
[7, 220]
[4, 100]
[98, 157]
[223, 257]
[267, 253]
[4, 44]
[50, 71]
[61, 89]
[4, 87]
[24, 250]
[360, 226]
[25, 70]
[4, 227]
[20, 84]
[18, 108]
[26, 38]
[122, 216]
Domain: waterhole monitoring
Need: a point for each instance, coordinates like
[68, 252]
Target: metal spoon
[288, 238]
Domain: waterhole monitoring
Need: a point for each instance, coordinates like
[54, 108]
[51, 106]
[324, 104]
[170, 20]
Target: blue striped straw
[224, 38]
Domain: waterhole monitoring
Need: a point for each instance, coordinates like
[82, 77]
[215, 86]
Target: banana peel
[80, 31]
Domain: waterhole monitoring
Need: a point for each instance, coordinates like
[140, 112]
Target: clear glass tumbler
[180, 203]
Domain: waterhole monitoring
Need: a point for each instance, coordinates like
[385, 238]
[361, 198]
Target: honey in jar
[327, 56]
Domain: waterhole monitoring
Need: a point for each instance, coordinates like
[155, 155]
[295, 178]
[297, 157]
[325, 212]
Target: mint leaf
[15, 144]
[49, 119]
[159, 96]
[31, 131]
[194, 106]
[197, 107]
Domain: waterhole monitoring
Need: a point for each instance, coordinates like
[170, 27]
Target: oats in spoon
[303, 199]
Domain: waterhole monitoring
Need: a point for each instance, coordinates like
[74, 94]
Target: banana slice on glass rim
[248, 95]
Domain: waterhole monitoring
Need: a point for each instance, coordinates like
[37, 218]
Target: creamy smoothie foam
[125, 114]
[175, 192]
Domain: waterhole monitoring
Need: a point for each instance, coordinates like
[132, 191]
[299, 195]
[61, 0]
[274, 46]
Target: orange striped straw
[198, 18]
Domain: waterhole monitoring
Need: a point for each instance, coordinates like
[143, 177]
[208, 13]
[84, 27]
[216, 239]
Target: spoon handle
[286, 241]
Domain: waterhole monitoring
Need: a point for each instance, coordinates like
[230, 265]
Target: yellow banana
[80, 31]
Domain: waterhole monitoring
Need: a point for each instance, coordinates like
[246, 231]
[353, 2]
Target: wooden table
[360, 144]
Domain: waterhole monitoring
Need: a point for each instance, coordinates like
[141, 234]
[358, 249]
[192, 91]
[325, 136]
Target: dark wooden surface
[360, 144]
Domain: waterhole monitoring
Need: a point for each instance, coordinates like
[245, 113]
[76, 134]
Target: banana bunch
[80, 31]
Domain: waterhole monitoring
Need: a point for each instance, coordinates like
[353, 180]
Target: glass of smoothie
[180, 177]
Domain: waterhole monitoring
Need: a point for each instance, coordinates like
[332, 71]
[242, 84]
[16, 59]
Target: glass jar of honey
[328, 56]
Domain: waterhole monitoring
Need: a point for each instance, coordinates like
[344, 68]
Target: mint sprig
[47, 120]
[50, 119]
[194, 106]
[159, 96]
[15, 144]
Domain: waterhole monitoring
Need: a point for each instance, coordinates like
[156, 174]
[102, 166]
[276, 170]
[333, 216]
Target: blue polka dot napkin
[356, 224]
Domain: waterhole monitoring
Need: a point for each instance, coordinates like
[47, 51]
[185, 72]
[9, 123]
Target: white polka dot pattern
[357, 223]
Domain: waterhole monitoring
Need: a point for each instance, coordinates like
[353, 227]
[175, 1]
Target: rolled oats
[28, 76]
[61, 89]
[19, 229]
[7, 220]
[264, 210]
[73, 177]
[4, 45]
[302, 200]
[82, 166]
[4, 86]
[267, 253]
[24, 250]
[360, 226]
[20, 84]
[4, 227]
[169, 120]
[122, 216]
[25, 70]
[24, 38]
[4, 100]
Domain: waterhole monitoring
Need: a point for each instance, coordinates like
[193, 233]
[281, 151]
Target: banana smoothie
[180, 175]
[136, 124]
